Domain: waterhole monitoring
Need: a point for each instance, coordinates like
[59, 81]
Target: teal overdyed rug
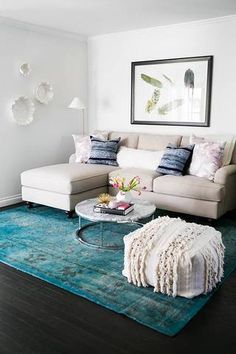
[42, 242]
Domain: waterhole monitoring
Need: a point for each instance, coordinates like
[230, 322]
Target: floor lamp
[76, 103]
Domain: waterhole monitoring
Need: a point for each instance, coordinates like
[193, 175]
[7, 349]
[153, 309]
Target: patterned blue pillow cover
[175, 160]
[103, 152]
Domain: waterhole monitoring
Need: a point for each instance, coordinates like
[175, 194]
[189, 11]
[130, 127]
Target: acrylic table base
[106, 234]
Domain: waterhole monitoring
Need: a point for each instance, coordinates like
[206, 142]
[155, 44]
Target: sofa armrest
[72, 158]
[224, 173]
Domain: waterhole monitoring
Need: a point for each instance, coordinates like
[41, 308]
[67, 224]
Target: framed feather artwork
[172, 91]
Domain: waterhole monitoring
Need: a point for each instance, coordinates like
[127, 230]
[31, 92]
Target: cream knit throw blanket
[174, 241]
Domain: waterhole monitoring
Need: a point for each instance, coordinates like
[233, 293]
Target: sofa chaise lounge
[64, 185]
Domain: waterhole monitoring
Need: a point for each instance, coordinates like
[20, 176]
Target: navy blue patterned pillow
[175, 160]
[104, 152]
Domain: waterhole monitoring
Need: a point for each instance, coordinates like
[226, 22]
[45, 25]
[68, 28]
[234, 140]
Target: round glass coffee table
[107, 230]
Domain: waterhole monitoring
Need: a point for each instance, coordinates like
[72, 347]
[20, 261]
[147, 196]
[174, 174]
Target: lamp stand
[83, 122]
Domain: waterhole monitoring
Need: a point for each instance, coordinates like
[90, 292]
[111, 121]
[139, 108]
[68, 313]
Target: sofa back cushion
[157, 142]
[129, 140]
[143, 141]
[154, 141]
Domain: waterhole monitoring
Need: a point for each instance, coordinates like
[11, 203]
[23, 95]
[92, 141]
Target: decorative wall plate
[44, 93]
[25, 69]
[23, 110]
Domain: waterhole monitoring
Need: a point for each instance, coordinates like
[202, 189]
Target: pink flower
[120, 183]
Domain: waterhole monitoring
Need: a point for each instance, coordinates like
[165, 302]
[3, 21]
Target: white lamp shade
[76, 103]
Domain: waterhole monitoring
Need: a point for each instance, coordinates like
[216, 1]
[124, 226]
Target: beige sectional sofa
[63, 185]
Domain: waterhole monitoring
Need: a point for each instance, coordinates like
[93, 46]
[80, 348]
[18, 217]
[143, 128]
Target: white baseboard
[13, 199]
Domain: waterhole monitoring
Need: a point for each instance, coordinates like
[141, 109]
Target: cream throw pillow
[136, 158]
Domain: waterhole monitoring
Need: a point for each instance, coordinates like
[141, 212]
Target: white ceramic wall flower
[25, 69]
[23, 110]
[44, 92]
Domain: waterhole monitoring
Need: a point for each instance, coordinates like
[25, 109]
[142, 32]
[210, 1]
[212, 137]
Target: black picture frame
[209, 62]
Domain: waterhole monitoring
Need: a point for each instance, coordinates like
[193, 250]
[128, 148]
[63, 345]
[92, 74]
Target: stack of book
[121, 208]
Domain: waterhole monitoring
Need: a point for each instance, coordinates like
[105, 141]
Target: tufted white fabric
[176, 257]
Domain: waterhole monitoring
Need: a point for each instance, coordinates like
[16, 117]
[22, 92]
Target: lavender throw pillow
[206, 159]
[82, 148]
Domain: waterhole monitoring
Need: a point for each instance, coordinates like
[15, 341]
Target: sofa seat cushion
[146, 176]
[189, 187]
[67, 178]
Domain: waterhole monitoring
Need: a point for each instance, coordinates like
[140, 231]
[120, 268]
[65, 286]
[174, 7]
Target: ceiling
[94, 17]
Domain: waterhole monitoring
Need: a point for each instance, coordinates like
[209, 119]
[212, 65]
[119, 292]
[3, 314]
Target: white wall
[110, 58]
[63, 62]
[59, 60]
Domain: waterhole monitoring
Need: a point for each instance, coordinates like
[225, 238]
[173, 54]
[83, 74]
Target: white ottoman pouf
[175, 257]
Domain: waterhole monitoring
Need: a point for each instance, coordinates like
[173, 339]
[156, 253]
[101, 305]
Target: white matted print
[172, 91]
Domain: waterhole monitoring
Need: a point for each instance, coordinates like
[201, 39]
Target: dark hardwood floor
[36, 317]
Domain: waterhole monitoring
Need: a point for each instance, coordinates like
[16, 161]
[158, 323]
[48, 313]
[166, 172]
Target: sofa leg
[210, 221]
[69, 214]
[30, 205]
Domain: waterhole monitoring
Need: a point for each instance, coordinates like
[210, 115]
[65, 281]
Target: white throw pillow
[136, 158]
[83, 146]
[206, 159]
[228, 149]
